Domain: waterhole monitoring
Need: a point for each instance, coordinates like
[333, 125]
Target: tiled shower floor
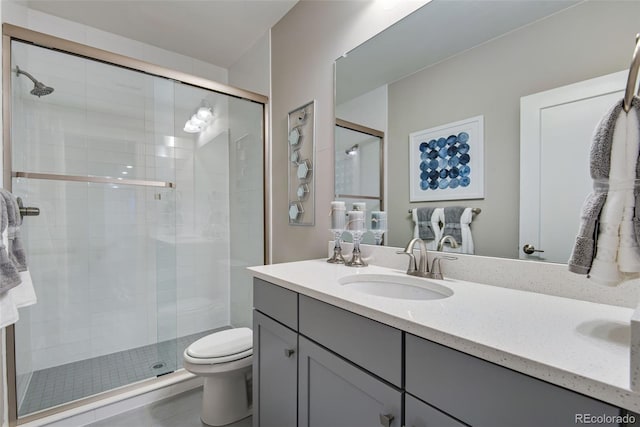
[65, 383]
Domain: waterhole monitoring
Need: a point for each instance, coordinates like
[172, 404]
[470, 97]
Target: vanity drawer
[276, 302]
[372, 345]
[483, 394]
[419, 414]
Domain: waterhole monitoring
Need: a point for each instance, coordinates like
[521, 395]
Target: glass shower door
[93, 157]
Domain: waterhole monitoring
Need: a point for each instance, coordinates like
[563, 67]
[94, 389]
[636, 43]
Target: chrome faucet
[448, 238]
[422, 269]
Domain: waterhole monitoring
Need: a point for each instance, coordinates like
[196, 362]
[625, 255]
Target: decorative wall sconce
[301, 182]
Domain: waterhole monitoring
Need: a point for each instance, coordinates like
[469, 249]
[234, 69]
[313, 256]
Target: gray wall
[304, 45]
[589, 40]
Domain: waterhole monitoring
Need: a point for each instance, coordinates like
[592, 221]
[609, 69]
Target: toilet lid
[223, 343]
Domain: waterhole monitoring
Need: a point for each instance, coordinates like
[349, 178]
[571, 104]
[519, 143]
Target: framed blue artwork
[447, 162]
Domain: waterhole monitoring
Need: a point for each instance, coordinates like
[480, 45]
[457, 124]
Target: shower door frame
[12, 32]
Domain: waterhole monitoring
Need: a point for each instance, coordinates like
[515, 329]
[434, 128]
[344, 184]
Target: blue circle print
[424, 166]
[452, 140]
[442, 153]
[464, 181]
[463, 148]
[453, 173]
[442, 163]
[464, 159]
[433, 164]
[443, 184]
[423, 146]
[424, 155]
[432, 154]
[444, 173]
[424, 175]
[451, 151]
[433, 185]
[454, 183]
[465, 170]
[432, 144]
[424, 185]
[433, 174]
[454, 161]
[463, 137]
[442, 142]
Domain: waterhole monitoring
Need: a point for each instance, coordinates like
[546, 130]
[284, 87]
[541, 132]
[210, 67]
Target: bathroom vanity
[328, 354]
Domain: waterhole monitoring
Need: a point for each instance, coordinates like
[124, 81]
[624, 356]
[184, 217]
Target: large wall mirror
[454, 60]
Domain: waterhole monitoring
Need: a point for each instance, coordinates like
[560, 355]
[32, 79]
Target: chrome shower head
[39, 88]
[353, 150]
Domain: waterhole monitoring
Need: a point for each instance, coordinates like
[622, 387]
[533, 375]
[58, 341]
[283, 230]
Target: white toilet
[224, 360]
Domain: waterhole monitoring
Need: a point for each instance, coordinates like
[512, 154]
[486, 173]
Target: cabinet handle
[386, 420]
[289, 352]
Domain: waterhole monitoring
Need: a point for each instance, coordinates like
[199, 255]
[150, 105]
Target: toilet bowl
[224, 360]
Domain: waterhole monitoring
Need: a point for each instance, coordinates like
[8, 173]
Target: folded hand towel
[607, 242]
[424, 225]
[616, 247]
[25, 294]
[16, 250]
[452, 215]
[8, 310]
[600, 164]
[9, 276]
[465, 243]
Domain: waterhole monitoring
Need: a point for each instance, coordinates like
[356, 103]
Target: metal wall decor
[301, 141]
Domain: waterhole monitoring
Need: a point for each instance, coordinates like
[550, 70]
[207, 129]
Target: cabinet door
[335, 393]
[275, 368]
[419, 414]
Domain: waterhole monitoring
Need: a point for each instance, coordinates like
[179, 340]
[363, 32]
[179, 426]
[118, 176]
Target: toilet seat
[221, 347]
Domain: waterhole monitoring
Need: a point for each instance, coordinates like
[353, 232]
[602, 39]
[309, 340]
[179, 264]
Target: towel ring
[633, 77]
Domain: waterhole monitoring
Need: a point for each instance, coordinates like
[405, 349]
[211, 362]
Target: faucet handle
[437, 273]
[412, 261]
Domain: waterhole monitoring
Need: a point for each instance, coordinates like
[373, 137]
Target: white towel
[617, 248]
[24, 294]
[437, 219]
[466, 246]
[8, 309]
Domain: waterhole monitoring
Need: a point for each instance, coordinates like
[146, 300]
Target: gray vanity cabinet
[317, 365]
[483, 394]
[419, 414]
[336, 393]
[275, 356]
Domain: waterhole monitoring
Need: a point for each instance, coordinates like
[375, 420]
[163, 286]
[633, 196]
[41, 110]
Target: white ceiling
[215, 31]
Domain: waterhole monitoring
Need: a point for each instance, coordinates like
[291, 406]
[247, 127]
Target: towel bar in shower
[94, 179]
[27, 210]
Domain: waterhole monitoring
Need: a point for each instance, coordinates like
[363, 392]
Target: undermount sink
[396, 287]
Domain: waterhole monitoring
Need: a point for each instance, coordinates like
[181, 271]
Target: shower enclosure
[150, 188]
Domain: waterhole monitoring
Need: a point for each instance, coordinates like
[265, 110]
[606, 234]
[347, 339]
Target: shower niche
[142, 240]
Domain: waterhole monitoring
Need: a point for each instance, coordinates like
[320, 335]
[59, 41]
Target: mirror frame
[368, 131]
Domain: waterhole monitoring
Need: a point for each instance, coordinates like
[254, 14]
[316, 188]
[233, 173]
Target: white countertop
[579, 345]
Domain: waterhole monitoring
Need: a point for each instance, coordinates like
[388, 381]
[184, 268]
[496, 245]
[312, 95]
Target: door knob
[529, 249]
[386, 420]
[289, 352]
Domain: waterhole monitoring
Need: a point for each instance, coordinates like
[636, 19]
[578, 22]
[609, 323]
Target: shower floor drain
[159, 365]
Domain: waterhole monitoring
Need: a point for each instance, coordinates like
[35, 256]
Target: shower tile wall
[113, 266]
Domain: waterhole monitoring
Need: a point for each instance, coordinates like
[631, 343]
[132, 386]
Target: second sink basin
[397, 287]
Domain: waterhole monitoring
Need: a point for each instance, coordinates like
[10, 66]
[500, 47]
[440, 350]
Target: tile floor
[182, 410]
[65, 383]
